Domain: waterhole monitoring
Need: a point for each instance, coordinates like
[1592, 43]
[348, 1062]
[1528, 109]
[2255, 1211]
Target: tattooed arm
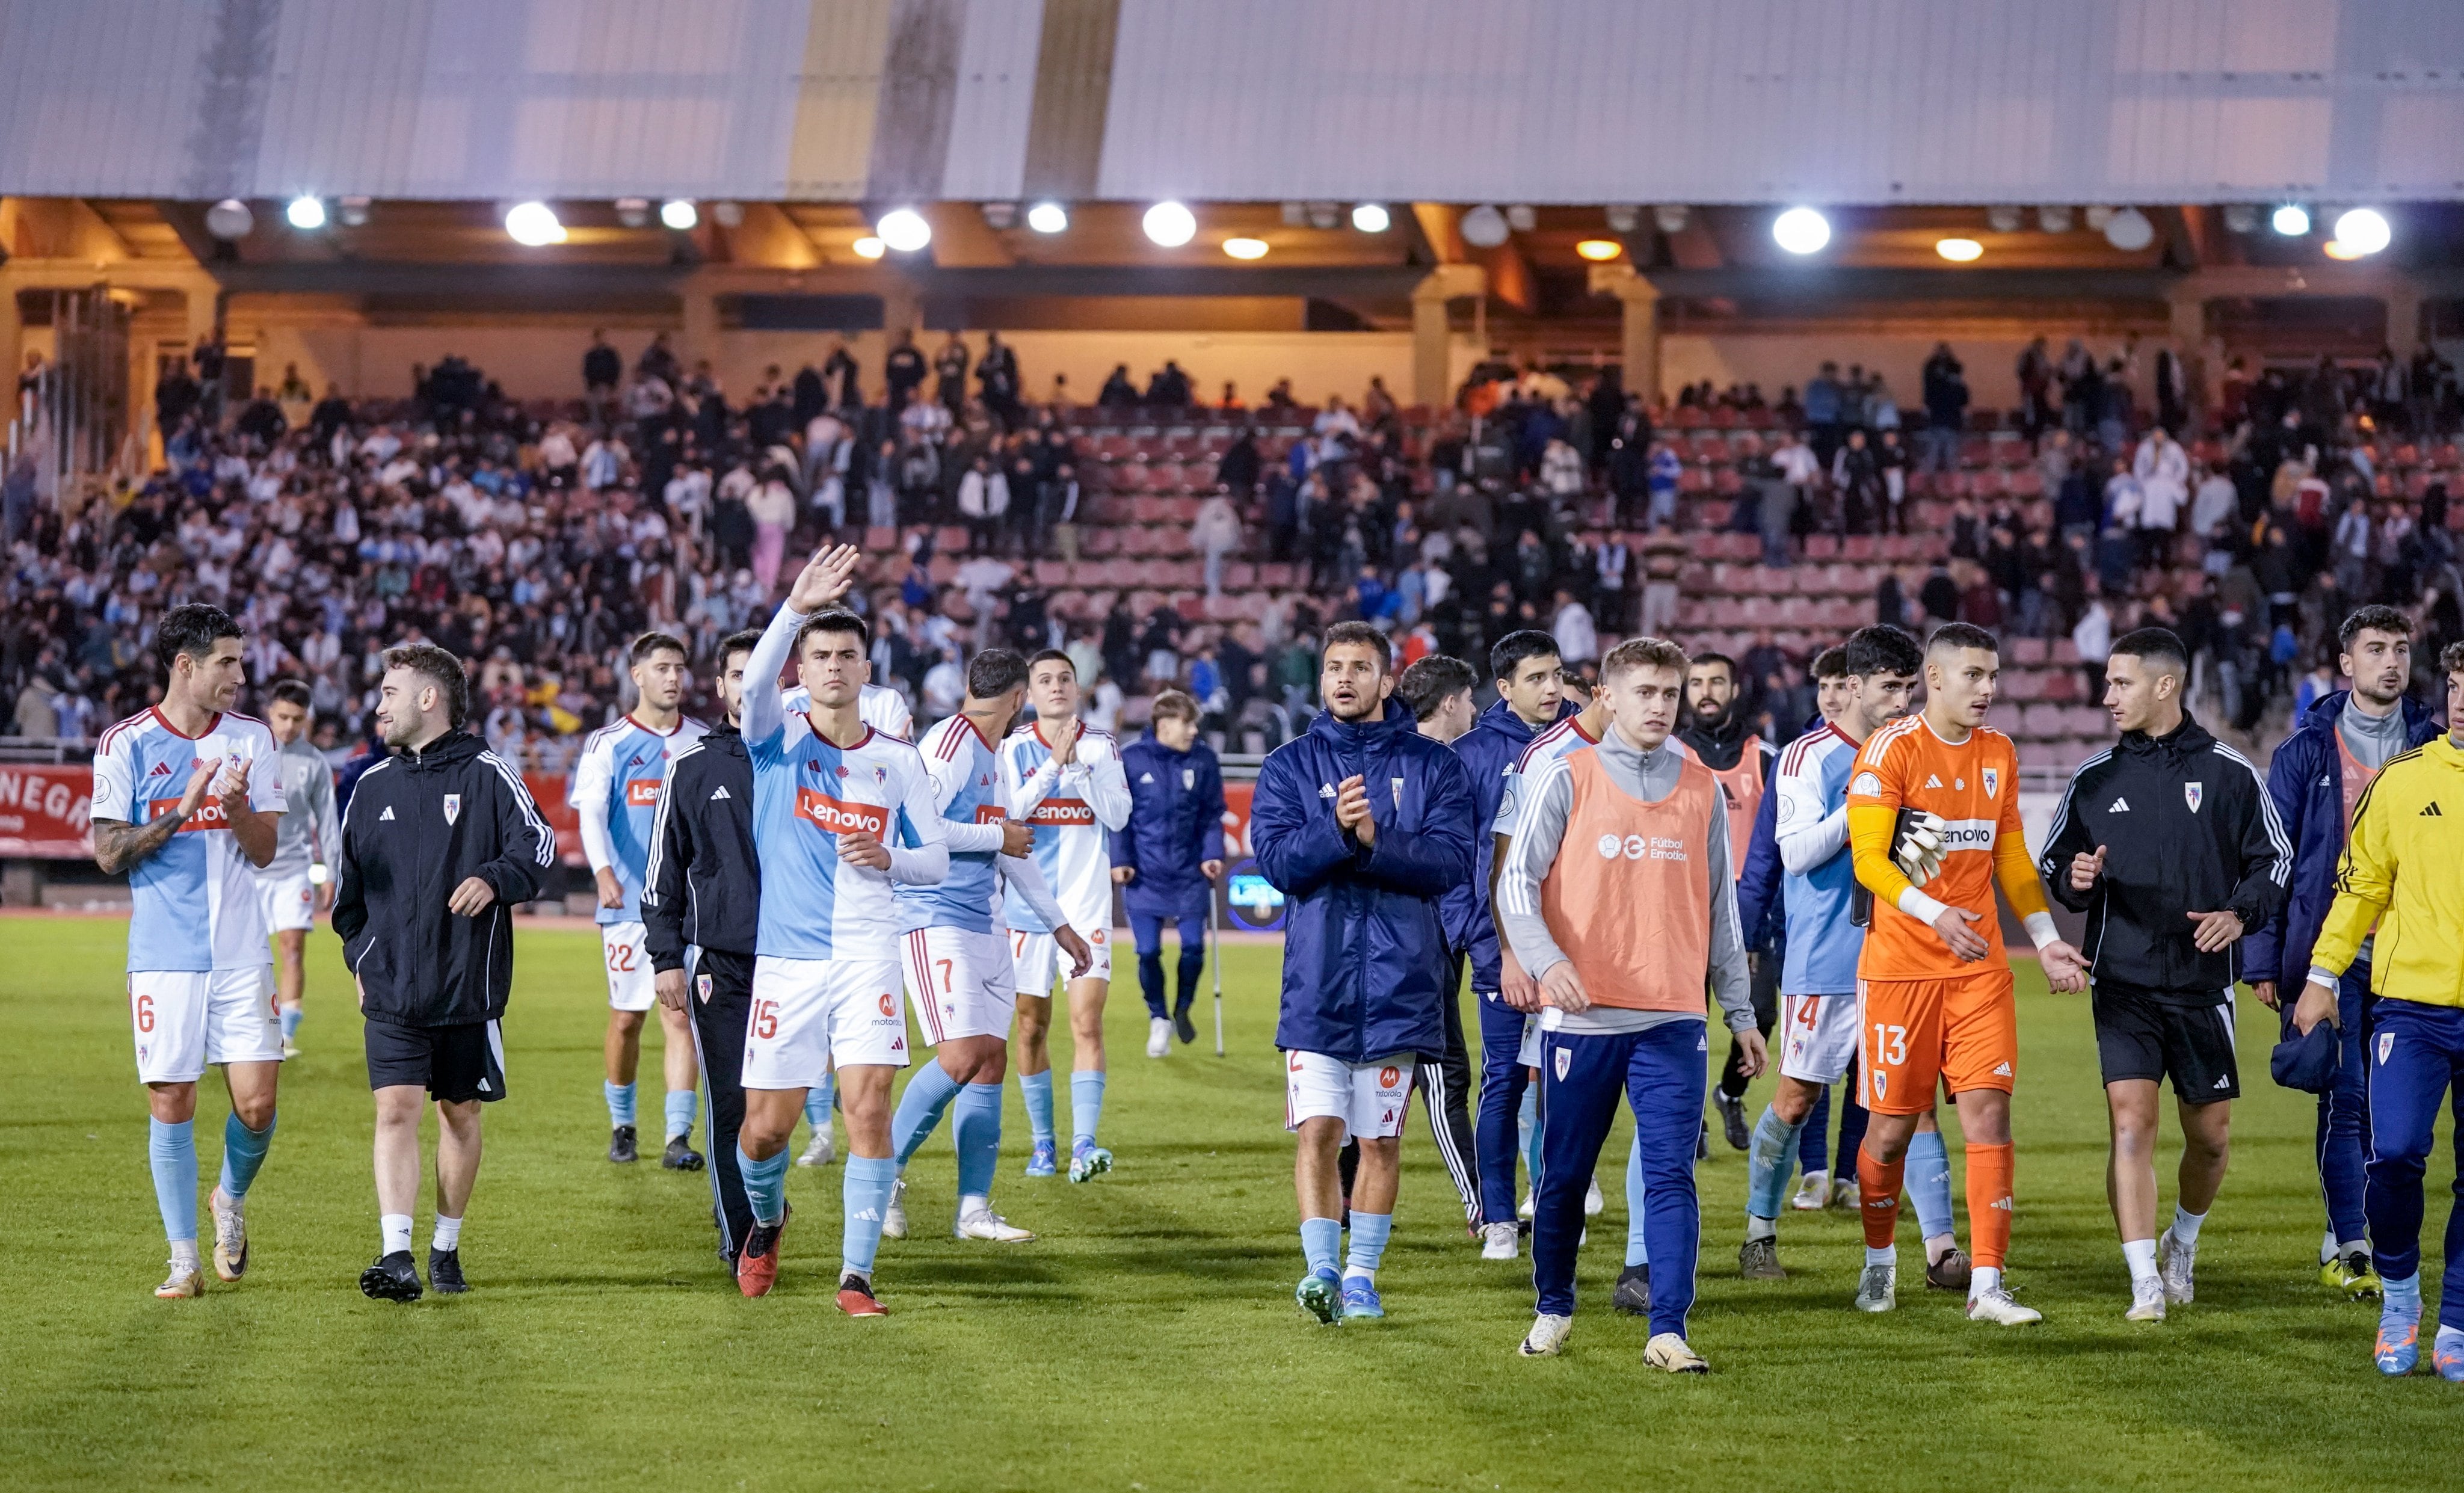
[119, 844]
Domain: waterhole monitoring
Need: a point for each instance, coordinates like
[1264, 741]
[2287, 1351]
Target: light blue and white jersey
[615, 790]
[1072, 809]
[966, 783]
[808, 791]
[196, 900]
[884, 710]
[1811, 825]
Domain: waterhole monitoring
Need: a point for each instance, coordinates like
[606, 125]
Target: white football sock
[1760, 1228]
[397, 1233]
[2140, 1254]
[448, 1233]
[2185, 1225]
[1985, 1279]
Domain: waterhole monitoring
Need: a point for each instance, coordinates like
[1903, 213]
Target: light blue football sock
[817, 1103]
[1637, 1251]
[1322, 1241]
[765, 1185]
[291, 1015]
[1928, 1183]
[620, 1102]
[864, 1192]
[977, 1128]
[173, 1150]
[1369, 1235]
[1037, 1089]
[682, 1105]
[1770, 1164]
[243, 1153]
[1085, 1106]
[2402, 1302]
[928, 1092]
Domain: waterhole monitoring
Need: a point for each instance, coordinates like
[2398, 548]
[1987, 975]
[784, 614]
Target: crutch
[1215, 941]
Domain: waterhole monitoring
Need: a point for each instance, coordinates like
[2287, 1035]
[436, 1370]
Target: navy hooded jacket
[1489, 751]
[1175, 824]
[1366, 964]
[2306, 779]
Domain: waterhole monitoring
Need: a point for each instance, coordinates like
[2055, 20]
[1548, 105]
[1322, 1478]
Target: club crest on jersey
[2191, 794]
[1189, 778]
[1565, 1061]
[452, 807]
[1992, 780]
[1398, 784]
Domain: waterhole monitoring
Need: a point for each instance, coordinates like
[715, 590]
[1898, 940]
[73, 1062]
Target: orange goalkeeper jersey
[1973, 787]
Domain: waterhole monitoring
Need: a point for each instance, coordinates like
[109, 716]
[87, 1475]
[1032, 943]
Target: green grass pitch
[1146, 1341]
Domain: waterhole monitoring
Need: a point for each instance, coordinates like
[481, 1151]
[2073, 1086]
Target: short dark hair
[1433, 681]
[837, 619]
[2451, 660]
[2156, 646]
[1051, 655]
[1962, 636]
[1721, 659]
[1360, 635]
[1881, 649]
[1832, 662]
[994, 672]
[2365, 618]
[1174, 705]
[440, 669]
[192, 629]
[293, 692]
[1644, 653]
[651, 643]
[1517, 648]
[735, 643]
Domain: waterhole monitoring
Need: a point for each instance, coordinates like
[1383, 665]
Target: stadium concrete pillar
[1432, 369]
[2403, 319]
[11, 334]
[1638, 341]
[902, 309]
[701, 322]
[2189, 329]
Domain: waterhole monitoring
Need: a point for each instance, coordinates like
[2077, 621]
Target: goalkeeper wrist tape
[1917, 905]
[2041, 928]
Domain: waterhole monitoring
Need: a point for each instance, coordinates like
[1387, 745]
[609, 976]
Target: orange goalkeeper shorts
[1914, 1035]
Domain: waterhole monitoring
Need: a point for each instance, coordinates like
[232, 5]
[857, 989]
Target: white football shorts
[1370, 1098]
[289, 901]
[1818, 1036]
[185, 1019]
[960, 981]
[810, 1014]
[1038, 961]
[628, 950]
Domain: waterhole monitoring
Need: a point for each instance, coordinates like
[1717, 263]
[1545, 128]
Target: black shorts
[454, 1064]
[2140, 1035]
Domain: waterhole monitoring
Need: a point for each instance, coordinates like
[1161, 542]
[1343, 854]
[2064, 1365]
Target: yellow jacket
[2403, 869]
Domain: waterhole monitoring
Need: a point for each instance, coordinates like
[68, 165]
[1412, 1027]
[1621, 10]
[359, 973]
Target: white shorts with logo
[1037, 959]
[627, 947]
[289, 901]
[961, 982]
[187, 1020]
[1370, 1098]
[1817, 1038]
[810, 1014]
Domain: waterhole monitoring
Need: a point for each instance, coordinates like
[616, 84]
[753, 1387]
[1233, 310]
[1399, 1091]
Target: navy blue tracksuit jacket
[1175, 824]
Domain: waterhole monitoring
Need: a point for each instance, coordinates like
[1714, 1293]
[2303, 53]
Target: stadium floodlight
[679, 214]
[2338, 248]
[870, 248]
[1000, 217]
[633, 211]
[1245, 248]
[230, 219]
[2129, 231]
[727, 214]
[1522, 218]
[1801, 230]
[534, 225]
[1324, 215]
[2364, 229]
[1600, 251]
[1484, 227]
[1959, 250]
[903, 229]
[1169, 225]
[2291, 220]
[1370, 217]
[306, 213]
[1047, 217]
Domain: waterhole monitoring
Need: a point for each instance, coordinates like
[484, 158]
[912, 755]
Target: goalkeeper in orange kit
[1933, 823]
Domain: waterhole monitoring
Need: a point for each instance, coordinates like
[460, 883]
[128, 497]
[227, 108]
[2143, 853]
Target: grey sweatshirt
[1649, 777]
[2374, 741]
[309, 831]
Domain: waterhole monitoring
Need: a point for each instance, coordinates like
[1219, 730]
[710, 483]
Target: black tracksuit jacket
[703, 884]
[2188, 828]
[421, 823]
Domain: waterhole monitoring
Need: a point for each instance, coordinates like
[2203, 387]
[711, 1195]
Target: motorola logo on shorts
[1389, 1078]
[889, 1004]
